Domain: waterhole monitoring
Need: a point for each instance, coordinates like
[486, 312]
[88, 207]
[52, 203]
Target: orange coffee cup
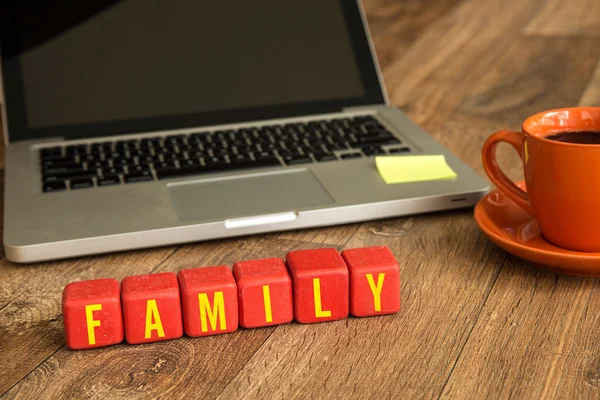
[563, 179]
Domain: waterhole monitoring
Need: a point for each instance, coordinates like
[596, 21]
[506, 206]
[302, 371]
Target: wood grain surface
[475, 322]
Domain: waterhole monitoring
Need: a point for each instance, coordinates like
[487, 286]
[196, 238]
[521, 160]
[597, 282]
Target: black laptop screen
[77, 69]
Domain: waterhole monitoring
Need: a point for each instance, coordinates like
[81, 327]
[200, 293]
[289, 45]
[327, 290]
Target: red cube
[209, 299]
[374, 281]
[92, 313]
[151, 308]
[320, 280]
[264, 292]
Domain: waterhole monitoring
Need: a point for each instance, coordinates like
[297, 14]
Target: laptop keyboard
[129, 161]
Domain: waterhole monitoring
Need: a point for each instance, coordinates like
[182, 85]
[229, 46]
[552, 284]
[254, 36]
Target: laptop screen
[77, 69]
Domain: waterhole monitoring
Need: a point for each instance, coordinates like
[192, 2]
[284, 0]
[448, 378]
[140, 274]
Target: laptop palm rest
[230, 197]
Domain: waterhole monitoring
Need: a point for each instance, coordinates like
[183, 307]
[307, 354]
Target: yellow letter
[217, 311]
[267, 300]
[319, 312]
[91, 322]
[376, 289]
[152, 314]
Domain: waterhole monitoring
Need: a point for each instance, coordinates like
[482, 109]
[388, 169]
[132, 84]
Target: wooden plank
[400, 356]
[396, 25]
[571, 18]
[536, 338]
[432, 79]
[591, 96]
[335, 235]
[191, 366]
[509, 92]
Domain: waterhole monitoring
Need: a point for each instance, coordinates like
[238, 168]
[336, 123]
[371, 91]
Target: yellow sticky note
[400, 169]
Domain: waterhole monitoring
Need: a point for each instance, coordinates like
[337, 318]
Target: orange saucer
[517, 232]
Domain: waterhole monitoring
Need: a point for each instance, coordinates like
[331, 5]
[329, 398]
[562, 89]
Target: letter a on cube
[320, 281]
[264, 292]
[92, 313]
[374, 281]
[151, 308]
[209, 300]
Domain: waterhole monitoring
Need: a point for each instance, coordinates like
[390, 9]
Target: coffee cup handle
[515, 139]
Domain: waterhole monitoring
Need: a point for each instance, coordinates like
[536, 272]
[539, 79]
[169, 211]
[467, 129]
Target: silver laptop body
[46, 219]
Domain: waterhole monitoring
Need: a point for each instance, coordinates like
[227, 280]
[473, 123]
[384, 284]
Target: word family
[310, 286]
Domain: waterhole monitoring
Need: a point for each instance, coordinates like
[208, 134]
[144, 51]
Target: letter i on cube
[320, 280]
[374, 281]
[151, 308]
[209, 299]
[92, 313]
[264, 292]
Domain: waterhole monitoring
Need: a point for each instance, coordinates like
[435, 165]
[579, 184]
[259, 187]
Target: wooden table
[475, 321]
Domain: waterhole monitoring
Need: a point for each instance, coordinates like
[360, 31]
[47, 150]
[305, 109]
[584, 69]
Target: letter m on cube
[209, 300]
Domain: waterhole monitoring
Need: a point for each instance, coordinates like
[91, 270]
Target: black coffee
[581, 137]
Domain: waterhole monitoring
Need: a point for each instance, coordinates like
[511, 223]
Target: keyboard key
[190, 163]
[263, 154]
[324, 156]
[400, 150]
[138, 168]
[372, 123]
[73, 174]
[149, 143]
[56, 186]
[239, 158]
[58, 162]
[165, 164]
[105, 147]
[140, 176]
[244, 149]
[382, 138]
[165, 173]
[81, 183]
[108, 180]
[117, 169]
[221, 151]
[171, 156]
[115, 155]
[98, 164]
[50, 152]
[54, 157]
[147, 159]
[266, 162]
[77, 149]
[336, 146]
[198, 137]
[350, 155]
[216, 161]
[53, 169]
[373, 151]
[122, 162]
[92, 158]
[123, 145]
[296, 158]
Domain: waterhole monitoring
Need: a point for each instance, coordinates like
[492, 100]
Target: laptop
[134, 124]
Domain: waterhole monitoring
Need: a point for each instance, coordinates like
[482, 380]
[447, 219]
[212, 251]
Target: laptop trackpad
[247, 195]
